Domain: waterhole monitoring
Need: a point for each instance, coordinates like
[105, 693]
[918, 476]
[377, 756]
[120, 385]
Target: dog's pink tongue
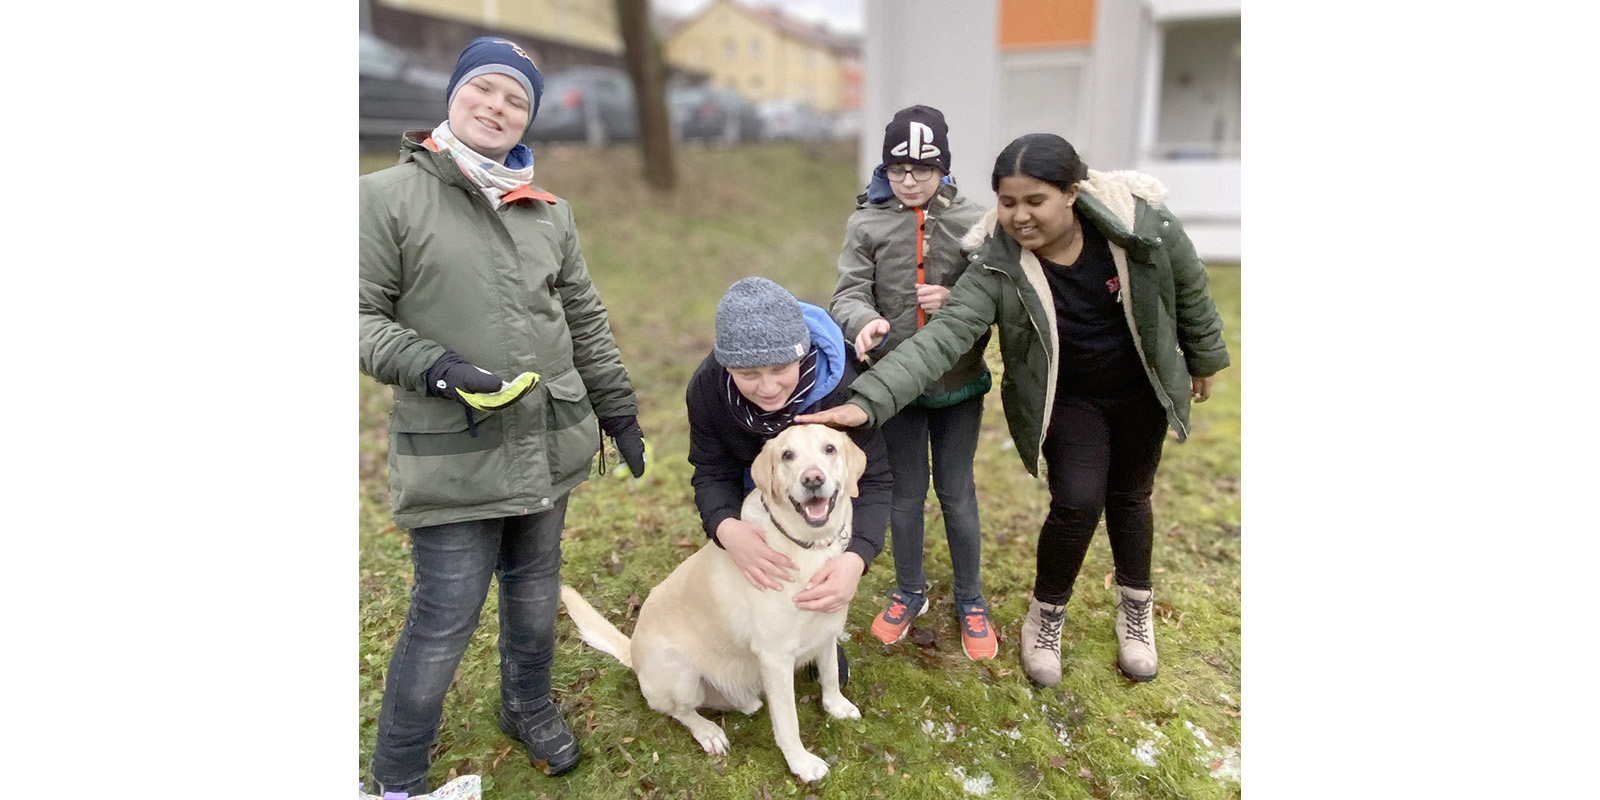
[817, 509]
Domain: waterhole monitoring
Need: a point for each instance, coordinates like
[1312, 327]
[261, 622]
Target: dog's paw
[712, 739]
[840, 708]
[808, 767]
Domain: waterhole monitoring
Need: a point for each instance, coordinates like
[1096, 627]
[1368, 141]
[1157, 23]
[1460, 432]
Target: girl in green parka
[1107, 331]
[469, 276]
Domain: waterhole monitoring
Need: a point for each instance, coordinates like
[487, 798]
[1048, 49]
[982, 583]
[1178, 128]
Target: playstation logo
[919, 146]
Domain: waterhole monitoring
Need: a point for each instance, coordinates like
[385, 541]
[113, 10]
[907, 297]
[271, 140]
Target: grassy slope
[930, 716]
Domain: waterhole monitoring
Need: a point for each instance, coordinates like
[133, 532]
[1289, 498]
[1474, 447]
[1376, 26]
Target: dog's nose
[812, 478]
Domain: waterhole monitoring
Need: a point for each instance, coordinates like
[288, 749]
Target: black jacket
[722, 451]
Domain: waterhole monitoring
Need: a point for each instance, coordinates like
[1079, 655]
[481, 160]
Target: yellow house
[764, 55]
[556, 33]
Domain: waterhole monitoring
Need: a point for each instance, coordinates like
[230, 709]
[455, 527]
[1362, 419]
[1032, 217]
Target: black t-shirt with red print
[1097, 352]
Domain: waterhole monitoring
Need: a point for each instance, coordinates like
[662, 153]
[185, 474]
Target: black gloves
[630, 441]
[452, 372]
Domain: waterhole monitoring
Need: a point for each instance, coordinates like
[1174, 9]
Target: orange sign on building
[1038, 23]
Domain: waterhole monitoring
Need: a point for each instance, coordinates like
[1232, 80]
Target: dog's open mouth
[816, 510]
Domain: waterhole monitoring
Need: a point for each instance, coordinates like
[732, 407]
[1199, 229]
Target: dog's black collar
[812, 545]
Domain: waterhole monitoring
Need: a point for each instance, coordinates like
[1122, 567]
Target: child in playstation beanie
[917, 135]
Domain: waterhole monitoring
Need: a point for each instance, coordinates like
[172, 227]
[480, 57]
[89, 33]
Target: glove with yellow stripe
[452, 372]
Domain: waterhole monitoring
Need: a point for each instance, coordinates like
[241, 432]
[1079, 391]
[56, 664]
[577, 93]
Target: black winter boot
[550, 743]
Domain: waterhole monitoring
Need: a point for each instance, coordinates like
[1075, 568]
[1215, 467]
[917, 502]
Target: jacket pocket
[572, 434]
[438, 460]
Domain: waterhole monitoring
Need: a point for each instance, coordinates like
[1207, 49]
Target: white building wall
[942, 55]
[1044, 91]
[1205, 193]
[1117, 93]
[989, 98]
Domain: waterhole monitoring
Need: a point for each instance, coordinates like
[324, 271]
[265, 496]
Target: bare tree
[642, 53]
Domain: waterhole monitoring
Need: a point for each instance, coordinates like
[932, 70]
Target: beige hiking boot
[1041, 641]
[1136, 635]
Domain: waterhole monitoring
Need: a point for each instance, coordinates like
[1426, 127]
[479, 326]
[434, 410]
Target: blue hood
[829, 340]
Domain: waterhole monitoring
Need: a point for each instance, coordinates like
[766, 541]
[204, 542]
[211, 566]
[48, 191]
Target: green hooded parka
[509, 291]
[1174, 322]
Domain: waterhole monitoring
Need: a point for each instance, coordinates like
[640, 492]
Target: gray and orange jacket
[509, 291]
[878, 276]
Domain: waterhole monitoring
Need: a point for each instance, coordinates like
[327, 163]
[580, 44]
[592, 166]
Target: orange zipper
[922, 316]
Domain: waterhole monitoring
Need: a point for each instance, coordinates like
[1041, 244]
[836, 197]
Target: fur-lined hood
[1116, 190]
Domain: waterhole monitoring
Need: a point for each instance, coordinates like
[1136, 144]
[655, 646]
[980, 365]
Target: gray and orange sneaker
[892, 624]
[977, 638]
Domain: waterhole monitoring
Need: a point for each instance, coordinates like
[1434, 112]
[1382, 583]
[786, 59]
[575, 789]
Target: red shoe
[977, 638]
[892, 624]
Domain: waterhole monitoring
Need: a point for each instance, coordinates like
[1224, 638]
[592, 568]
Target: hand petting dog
[834, 584]
[761, 565]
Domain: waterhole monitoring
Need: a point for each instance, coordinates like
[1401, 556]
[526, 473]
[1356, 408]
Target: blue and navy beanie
[489, 55]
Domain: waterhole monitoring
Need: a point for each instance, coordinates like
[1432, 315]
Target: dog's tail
[595, 629]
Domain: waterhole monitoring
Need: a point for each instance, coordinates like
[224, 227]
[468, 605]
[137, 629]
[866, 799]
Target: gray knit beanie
[759, 324]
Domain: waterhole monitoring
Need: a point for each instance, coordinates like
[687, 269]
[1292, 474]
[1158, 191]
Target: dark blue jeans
[953, 434]
[1102, 456]
[453, 565]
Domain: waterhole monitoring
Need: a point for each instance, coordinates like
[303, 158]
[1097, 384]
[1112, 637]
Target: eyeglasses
[918, 172]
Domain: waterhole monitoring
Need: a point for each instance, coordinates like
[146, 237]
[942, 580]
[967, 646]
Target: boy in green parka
[469, 276]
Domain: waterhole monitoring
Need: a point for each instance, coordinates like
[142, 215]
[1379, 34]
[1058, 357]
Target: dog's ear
[855, 465]
[761, 469]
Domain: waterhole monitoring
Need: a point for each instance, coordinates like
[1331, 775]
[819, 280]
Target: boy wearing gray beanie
[759, 324]
[776, 357]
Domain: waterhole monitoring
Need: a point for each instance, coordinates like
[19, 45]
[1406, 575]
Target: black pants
[1101, 455]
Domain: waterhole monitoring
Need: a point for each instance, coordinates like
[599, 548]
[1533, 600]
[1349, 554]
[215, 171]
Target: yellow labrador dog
[706, 638]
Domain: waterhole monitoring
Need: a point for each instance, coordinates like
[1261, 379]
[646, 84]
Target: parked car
[395, 94]
[790, 120]
[711, 114]
[593, 105]
[846, 125]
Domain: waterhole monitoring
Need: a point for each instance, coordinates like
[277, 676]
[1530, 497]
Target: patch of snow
[1012, 733]
[946, 734]
[978, 785]
[1057, 726]
[1228, 770]
[1145, 751]
[1227, 759]
[1199, 733]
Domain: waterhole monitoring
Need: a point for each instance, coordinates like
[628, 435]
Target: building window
[755, 49]
[1059, 74]
[1198, 112]
[730, 50]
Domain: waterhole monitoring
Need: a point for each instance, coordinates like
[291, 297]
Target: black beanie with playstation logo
[917, 135]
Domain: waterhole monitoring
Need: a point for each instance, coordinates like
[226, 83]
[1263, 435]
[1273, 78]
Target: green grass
[661, 263]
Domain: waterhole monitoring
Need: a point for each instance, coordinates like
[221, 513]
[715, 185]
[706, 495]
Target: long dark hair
[1042, 156]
